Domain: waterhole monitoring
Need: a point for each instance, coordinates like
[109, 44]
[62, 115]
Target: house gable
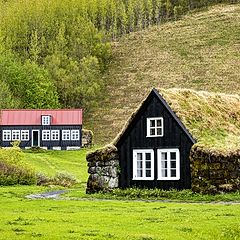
[134, 140]
[153, 96]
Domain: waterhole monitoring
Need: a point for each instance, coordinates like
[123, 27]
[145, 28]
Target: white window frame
[155, 127]
[16, 133]
[143, 151]
[168, 151]
[46, 120]
[24, 135]
[6, 135]
[66, 136]
[75, 134]
[46, 135]
[55, 135]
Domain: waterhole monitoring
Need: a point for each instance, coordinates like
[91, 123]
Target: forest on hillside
[53, 52]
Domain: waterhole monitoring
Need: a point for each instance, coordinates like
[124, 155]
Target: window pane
[152, 123]
[152, 131]
[139, 164]
[173, 156]
[139, 173]
[159, 123]
[148, 173]
[164, 172]
[15, 135]
[164, 164]
[139, 156]
[148, 156]
[173, 164]
[159, 131]
[148, 164]
[164, 156]
[173, 173]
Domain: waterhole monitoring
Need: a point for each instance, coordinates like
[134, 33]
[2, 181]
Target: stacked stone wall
[214, 172]
[87, 138]
[103, 169]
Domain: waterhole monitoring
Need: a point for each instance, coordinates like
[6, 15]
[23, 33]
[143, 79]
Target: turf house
[48, 129]
[157, 146]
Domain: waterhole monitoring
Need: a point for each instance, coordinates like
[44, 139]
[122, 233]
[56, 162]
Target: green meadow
[77, 215]
[112, 219]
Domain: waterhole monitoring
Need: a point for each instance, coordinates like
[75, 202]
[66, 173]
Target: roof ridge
[166, 105]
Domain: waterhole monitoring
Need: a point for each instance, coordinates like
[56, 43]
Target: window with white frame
[143, 164]
[6, 135]
[65, 135]
[46, 135]
[46, 120]
[168, 164]
[15, 135]
[54, 135]
[75, 135]
[155, 127]
[24, 135]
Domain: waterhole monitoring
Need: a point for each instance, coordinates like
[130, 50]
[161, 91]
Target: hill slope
[201, 51]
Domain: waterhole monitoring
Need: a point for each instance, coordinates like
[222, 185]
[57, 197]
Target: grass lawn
[93, 219]
[51, 162]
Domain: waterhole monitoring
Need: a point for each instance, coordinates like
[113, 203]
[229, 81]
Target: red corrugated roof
[33, 116]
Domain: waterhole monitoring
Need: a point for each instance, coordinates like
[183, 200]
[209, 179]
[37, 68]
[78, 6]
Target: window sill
[168, 178]
[143, 179]
[154, 136]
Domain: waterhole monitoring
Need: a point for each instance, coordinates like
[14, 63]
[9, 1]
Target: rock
[214, 171]
[103, 167]
[87, 138]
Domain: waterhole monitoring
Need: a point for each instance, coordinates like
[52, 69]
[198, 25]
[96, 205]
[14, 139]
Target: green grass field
[51, 162]
[95, 217]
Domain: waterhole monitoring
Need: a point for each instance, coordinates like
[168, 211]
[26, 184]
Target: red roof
[33, 116]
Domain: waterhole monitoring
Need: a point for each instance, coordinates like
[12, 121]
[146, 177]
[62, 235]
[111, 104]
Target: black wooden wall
[49, 144]
[135, 138]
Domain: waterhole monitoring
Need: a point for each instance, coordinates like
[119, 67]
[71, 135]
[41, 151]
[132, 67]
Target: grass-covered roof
[212, 118]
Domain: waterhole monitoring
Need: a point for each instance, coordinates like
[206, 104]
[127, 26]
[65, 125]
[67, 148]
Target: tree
[28, 83]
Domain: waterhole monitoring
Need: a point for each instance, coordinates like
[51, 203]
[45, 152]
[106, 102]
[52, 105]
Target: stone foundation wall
[103, 169]
[87, 138]
[214, 172]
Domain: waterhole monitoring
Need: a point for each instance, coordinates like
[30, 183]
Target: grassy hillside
[201, 52]
[213, 119]
[52, 162]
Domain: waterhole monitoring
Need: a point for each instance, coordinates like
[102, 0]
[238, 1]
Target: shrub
[64, 179]
[13, 170]
[42, 179]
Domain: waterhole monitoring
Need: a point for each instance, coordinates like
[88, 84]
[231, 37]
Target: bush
[64, 179]
[13, 170]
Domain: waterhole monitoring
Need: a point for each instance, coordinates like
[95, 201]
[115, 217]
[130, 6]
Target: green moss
[212, 118]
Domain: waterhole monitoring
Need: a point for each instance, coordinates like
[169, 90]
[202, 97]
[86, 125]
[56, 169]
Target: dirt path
[47, 195]
[56, 195]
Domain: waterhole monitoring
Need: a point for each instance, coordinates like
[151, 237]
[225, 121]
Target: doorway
[35, 138]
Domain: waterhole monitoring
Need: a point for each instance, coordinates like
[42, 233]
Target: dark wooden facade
[58, 129]
[48, 144]
[134, 137]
